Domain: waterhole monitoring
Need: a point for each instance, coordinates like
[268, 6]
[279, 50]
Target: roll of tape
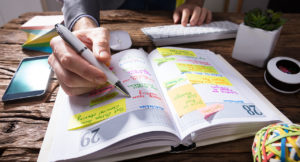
[283, 74]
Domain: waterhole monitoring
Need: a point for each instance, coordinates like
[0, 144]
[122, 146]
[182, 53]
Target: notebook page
[144, 112]
[201, 91]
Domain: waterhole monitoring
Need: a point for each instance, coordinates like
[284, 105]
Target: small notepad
[40, 30]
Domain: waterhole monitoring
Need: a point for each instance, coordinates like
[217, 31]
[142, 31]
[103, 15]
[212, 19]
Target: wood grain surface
[23, 124]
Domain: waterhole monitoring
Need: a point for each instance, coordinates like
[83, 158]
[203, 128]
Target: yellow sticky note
[196, 68]
[185, 99]
[96, 115]
[206, 79]
[34, 39]
[169, 52]
[103, 98]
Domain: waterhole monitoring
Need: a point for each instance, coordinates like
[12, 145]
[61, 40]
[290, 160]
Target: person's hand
[75, 74]
[192, 12]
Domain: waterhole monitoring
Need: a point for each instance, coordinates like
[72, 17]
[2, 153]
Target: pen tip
[122, 89]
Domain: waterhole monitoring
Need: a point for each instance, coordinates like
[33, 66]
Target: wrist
[84, 23]
[195, 2]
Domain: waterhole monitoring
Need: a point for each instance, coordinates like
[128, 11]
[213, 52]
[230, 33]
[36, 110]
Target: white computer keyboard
[178, 34]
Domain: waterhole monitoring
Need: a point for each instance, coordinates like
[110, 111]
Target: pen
[87, 54]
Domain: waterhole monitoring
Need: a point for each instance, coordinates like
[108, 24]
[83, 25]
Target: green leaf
[266, 20]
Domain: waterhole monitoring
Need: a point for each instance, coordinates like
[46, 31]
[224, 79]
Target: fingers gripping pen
[88, 55]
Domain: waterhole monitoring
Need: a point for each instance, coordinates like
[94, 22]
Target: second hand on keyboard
[177, 34]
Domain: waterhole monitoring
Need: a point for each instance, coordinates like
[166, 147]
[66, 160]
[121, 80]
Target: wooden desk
[23, 125]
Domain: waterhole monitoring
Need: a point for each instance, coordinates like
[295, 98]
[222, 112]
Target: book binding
[182, 148]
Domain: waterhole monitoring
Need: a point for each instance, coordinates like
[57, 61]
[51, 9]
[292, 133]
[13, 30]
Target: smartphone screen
[30, 80]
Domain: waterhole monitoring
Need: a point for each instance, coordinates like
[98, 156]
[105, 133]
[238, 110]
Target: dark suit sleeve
[75, 9]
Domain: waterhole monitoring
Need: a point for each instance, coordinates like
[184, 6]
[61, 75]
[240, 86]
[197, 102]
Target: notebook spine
[182, 148]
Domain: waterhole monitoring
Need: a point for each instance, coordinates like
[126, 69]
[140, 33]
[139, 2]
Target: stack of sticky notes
[40, 30]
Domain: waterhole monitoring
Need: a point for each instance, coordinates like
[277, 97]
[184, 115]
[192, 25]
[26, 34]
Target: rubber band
[283, 140]
[263, 146]
[277, 141]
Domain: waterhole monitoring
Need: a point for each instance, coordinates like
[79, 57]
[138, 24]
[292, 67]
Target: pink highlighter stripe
[101, 90]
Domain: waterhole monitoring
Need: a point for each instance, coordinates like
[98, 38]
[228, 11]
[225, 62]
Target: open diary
[180, 99]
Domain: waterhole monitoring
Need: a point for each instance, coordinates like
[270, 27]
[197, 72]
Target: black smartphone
[30, 80]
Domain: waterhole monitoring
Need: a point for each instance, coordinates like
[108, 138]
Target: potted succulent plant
[257, 36]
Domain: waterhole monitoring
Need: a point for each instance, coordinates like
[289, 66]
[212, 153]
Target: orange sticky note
[185, 99]
[211, 109]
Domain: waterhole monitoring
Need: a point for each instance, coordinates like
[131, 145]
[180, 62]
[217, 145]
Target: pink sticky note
[209, 110]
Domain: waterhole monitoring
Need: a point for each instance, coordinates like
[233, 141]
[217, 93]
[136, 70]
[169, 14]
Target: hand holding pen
[75, 74]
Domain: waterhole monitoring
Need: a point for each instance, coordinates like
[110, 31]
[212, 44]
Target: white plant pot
[254, 46]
